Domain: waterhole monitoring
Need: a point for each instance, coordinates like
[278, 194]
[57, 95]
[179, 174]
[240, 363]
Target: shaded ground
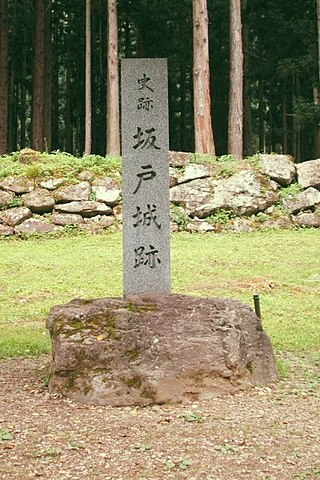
[266, 433]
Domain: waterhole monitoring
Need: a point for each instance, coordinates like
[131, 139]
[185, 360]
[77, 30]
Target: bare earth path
[268, 433]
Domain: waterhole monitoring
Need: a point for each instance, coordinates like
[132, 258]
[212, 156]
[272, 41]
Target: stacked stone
[50, 204]
[197, 192]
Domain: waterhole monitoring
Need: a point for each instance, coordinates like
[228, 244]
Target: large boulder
[5, 230]
[35, 225]
[156, 348]
[52, 183]
[5, 198]
[308, 199]
[179, 159]
[192, 194]
[279, 167]
[87, 208]
[73, 193]
[244, 193]
[107, 190]
[17, 185]
[308, 219]
[200, 226]
[309, 174]
[64, 219]
[14, 216]
[194, 171]
[39, 201]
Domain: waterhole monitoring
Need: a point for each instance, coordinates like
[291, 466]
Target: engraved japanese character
[143, 82]
[149, 142]
[148, 174]
[146, 218]
[147, 258]
[145, 104]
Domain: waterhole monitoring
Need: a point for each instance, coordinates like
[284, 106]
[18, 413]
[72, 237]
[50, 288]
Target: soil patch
[263, 433]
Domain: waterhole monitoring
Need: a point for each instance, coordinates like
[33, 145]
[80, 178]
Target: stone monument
[145, 152]
[152, 346]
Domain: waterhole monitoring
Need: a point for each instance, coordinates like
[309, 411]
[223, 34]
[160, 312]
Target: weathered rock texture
[309, 199]
[156, 348]
[14, 216]
[309, 174]
[279, 168]
[211, 197]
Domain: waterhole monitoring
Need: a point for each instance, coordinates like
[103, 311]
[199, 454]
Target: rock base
[156, 348]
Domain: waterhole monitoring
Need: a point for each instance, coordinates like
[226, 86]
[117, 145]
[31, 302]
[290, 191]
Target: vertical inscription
[145, 149]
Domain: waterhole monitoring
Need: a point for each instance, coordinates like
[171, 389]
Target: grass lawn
[282, 266]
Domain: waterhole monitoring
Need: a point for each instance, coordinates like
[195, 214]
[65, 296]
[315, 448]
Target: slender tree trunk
[316, 136]
[316, 90]
[102, 116]
[101, 53]
[284, 122]
[67, 117]
[204, 141]
[12, 112]
[38, 76]
[271, 142]
[247, 123]
[261, 117]
[113, 127]
[127, 39]
[47, 107]
[55, 88]
[4, 76]
[235, 129]
[183, 106]
[296, 124]
[88, 121]
[23, 98]
[318, 24]
[13, 91]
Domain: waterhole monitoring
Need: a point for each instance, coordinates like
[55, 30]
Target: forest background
[48, 48]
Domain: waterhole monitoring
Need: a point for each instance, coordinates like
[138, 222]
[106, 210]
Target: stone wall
[269, 191]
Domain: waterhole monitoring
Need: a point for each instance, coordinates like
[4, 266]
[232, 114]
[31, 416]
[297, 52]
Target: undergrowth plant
[293, 189]
[59, 164]
[282, 266]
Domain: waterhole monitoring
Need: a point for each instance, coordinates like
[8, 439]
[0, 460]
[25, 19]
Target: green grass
[282, 266]
[59, 164]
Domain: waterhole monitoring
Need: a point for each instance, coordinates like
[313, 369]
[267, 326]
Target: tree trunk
[316, 90]
[127, 39]
[318, 24]
[68, 114]
[13, 97]
[296, 124]
[4, 76]
[47, 107]
[261, 117]
[88, 121]
[247, 123]
[38, 76]
[204, 141]
[113, 127]
[23, 99]
[316, 135]
[284, 122]
[12, 112]
[235, 128]
[271, 140]
[55, 89]
[183, 107]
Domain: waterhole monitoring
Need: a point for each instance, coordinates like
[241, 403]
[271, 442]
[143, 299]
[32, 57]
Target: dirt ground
[265, 433]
